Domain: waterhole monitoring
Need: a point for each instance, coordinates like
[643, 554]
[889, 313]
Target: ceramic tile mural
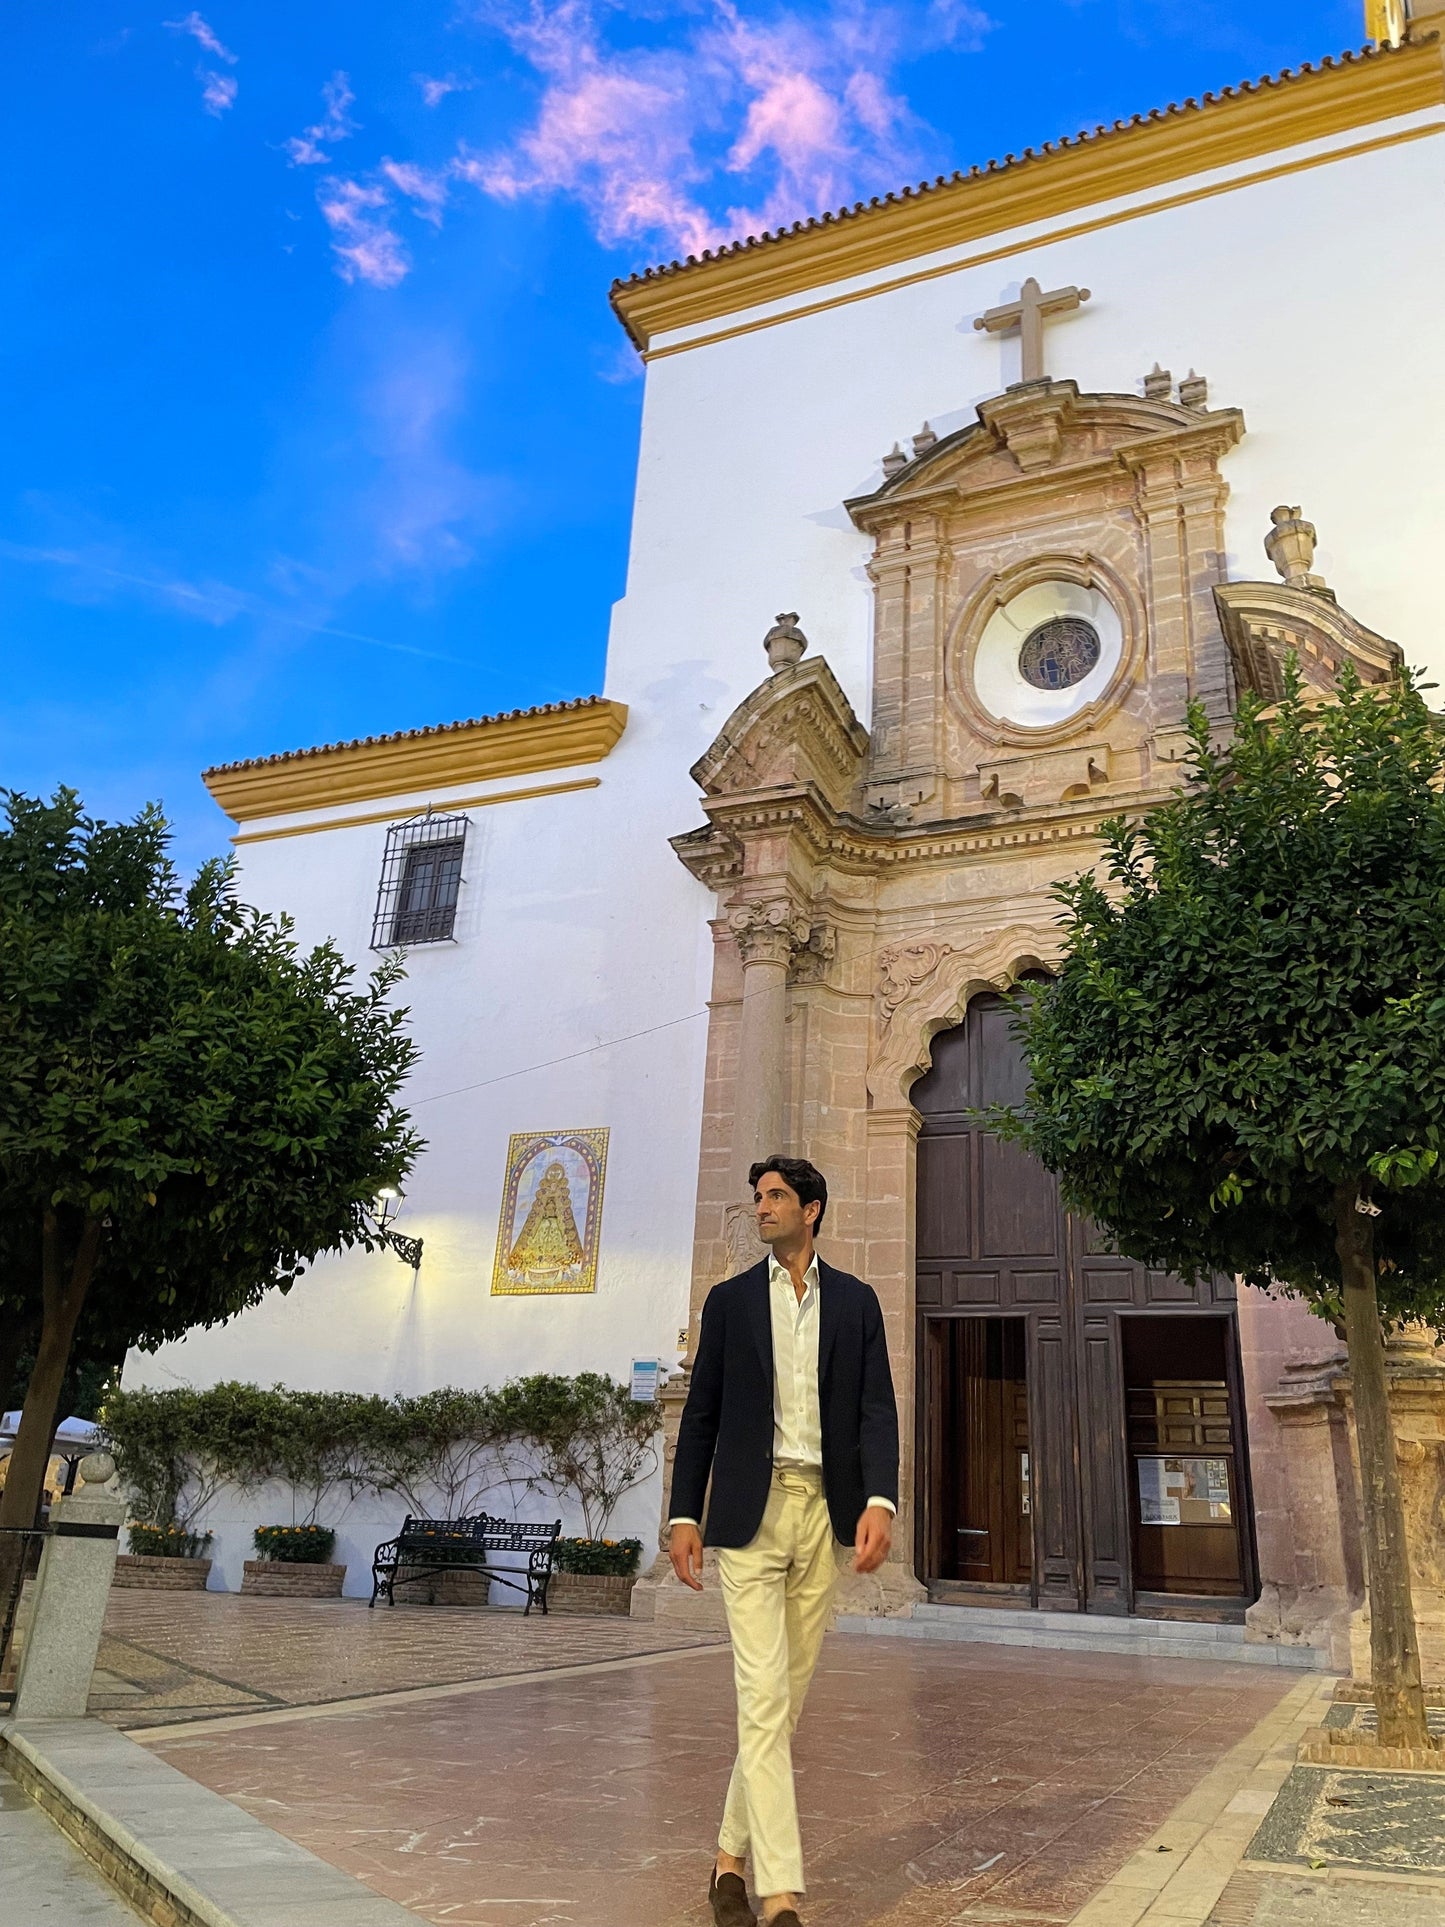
[551, 1212]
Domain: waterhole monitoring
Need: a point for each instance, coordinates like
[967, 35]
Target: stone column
[767, 932]
[71, 1591]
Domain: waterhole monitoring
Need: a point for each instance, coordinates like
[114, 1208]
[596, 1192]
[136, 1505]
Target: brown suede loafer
[728, 1898]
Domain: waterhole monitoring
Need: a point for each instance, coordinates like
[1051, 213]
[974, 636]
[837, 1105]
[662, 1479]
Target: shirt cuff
[887, 1505]
[680, 1522]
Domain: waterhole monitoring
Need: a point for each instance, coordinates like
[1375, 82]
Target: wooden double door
[1081, 1423]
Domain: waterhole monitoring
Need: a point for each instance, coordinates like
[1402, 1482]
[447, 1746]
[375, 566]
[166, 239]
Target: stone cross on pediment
[1028, 315]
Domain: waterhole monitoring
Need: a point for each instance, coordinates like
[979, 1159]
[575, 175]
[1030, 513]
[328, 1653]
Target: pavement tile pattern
[1255, 1899]
[940, 1786]
[168, 1657]
[1381, 1822]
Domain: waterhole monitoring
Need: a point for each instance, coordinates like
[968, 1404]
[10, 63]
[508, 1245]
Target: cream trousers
[776, 1591]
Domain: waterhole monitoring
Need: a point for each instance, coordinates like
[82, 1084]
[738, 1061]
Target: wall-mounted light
[384, 1209]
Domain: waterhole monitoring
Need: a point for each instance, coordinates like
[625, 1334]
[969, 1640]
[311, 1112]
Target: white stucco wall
[1310, 301]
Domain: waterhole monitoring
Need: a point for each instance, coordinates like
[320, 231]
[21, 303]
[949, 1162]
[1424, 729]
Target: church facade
[1028, 459]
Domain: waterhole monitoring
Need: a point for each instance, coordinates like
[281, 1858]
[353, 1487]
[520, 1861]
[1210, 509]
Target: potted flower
[293, 1562]
[164, 1558]
[593, 1575]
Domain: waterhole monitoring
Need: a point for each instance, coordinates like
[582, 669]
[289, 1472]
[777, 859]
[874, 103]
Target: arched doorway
[1081, 1418]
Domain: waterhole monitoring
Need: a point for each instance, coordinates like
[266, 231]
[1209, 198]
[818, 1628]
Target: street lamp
[384, 1209]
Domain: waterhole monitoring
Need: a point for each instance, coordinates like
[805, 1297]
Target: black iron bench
[428, 1548]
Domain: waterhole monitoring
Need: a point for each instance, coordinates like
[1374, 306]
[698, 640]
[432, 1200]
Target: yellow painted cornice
[519, 743]
[1168, 144]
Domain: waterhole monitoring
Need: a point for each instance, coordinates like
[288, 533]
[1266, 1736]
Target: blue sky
[317, 422]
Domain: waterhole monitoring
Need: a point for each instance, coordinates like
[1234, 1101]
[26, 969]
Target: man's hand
[685, 1550]
[871, 1544]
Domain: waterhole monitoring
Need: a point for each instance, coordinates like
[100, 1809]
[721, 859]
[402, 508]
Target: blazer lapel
[760, 1316]
[830, 1315]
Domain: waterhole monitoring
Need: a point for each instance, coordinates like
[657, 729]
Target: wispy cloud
[218, 91]
[436, 87]
[797, 111]
[199, 30]
[215, 603]
[305, 149]
[366, 246]
[427, 190]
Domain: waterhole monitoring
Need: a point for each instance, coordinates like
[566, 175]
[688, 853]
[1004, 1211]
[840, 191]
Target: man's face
[781, 1218]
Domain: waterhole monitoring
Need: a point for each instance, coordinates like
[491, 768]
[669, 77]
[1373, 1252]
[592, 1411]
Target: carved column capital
[769, 930]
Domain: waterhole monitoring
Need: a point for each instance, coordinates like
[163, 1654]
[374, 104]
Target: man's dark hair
[800, 1176]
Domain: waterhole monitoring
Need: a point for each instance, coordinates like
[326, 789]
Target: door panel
[998, 1253]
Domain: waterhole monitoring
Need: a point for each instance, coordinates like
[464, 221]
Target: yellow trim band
[1168, 145]
[1045, 240]
[523, 743]
[400, 815]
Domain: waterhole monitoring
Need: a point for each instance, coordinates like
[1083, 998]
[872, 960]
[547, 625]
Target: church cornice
[1311, 103]
[715, 853]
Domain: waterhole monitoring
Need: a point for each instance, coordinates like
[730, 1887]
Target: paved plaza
[961, 1784]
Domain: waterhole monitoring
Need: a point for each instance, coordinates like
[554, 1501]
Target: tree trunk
[1394, 1644]
[63, 1294]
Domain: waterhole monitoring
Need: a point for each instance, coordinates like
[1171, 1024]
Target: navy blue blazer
[727, 1422]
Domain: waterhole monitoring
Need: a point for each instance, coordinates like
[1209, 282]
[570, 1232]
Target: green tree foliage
[190, 1108]
[1240, 1067]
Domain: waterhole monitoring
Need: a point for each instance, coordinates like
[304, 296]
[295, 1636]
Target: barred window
[421, 875]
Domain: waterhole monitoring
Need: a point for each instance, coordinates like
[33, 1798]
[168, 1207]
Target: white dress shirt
[797, 1411]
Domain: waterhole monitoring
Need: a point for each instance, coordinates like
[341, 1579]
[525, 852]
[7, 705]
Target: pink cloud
[436, 87]
[366, 246]
[427, 191]
[218, 93]
[197, 28]
[305, 149]
[798, 107]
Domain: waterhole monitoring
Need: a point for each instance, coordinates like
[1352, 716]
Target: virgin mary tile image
[551, 1212]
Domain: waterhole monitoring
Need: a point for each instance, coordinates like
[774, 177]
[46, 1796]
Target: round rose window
[1059, 653]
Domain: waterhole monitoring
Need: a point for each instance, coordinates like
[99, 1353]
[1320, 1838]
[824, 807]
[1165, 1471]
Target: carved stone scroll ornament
[810, 965]
[903, 967]
[769, 932]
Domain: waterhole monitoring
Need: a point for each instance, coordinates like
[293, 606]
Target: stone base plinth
[1302, 1616]
[287, 1579]
[589, 1592]
[152, 1573]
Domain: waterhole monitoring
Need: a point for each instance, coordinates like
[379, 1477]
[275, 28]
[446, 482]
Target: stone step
[1135, 1637]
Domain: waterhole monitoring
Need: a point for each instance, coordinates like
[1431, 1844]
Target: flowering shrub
[166, 1542]
[301, 1545]
[608, 1556]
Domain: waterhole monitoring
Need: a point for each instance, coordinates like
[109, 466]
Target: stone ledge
[180, 1854]
[1336, 1746]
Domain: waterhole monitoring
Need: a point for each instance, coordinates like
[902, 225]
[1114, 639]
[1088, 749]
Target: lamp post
[384, 1210]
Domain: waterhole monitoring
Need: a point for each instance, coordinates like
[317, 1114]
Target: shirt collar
[780, 1275]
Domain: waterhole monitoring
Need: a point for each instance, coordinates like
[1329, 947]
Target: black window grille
[421, 875]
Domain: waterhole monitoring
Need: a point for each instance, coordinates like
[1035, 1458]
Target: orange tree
[1240, 1066]
[190, 1108]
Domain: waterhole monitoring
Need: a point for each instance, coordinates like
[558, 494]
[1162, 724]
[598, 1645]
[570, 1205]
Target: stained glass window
[1059, 653]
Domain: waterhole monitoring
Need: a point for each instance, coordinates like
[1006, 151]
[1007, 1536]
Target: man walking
[791, 1409]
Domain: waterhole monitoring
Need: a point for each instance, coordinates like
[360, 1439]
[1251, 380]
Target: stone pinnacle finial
[1193, 390]
[1158, 384]
[924, 440]
[785, 642]
[1290, 545]
[893, 461]
[97, 1468]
